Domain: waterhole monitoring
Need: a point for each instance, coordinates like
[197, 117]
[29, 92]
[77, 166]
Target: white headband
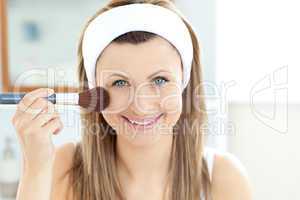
[136, 17]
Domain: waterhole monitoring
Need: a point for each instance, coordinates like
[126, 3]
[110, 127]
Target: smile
[142, 123]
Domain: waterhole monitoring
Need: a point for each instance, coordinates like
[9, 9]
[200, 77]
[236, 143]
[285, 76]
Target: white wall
[258, 50]
[271, 158]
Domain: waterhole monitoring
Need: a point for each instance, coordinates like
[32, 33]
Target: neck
[142, 163]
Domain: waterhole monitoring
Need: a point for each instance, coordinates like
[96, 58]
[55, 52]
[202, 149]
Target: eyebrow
[151, 75]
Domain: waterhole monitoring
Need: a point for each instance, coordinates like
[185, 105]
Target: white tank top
[209, 156]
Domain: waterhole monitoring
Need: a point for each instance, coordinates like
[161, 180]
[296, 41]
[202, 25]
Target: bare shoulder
[63, 163]
[229, 178]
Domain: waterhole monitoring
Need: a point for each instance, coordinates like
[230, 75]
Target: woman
[147, 143]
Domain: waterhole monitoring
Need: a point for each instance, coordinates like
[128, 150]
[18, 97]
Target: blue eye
[119, 83]
[160, 80]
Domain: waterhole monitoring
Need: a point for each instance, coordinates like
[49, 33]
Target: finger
[53, 125]
[44, 117]
[57, 131]
[30, 97]
[41, 93]
[29, 112]
[39, 105]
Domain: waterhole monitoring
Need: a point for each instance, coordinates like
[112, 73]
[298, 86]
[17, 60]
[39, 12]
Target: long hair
[93, 175]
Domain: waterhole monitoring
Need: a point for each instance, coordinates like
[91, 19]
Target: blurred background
[250, 57]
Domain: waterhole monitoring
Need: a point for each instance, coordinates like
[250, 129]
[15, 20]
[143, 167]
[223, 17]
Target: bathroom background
[250, 53]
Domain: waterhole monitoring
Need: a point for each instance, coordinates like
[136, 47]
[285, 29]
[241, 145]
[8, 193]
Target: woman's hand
[35, 121]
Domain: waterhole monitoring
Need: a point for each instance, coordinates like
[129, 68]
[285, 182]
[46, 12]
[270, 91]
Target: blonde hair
[94, 172]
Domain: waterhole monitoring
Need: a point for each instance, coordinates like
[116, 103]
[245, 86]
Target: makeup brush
[94, 100]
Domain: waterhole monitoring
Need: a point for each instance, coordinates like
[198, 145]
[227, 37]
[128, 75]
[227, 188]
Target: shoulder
[63, 163]
[229, 177]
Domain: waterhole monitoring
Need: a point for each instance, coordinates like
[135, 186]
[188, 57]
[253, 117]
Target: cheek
[171, 100]
[118, 103]
[119, 100]
[171, 104]
[111, 119]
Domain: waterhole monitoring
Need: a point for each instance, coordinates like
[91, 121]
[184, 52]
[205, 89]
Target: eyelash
[156, 78]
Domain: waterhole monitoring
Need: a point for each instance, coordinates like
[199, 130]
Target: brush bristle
[95, 99]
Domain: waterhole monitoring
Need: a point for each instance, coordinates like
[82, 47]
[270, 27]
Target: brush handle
[13, 98]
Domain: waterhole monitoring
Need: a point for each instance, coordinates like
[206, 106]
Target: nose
[146, 100]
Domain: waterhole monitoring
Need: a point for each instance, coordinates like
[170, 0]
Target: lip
[141, 120]
[140, 126]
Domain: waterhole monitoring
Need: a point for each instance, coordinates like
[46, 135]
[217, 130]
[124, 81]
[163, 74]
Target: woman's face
[144, 84]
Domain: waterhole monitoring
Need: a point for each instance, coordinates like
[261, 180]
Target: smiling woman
[156, 92]
[169, 155]
[148, 143]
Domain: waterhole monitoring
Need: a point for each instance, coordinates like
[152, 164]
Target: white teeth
[140, 123]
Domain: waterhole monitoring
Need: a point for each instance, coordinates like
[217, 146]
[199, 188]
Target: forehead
[146, 57]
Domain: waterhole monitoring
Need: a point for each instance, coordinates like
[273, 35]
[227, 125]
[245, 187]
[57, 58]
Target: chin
[139, 140]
